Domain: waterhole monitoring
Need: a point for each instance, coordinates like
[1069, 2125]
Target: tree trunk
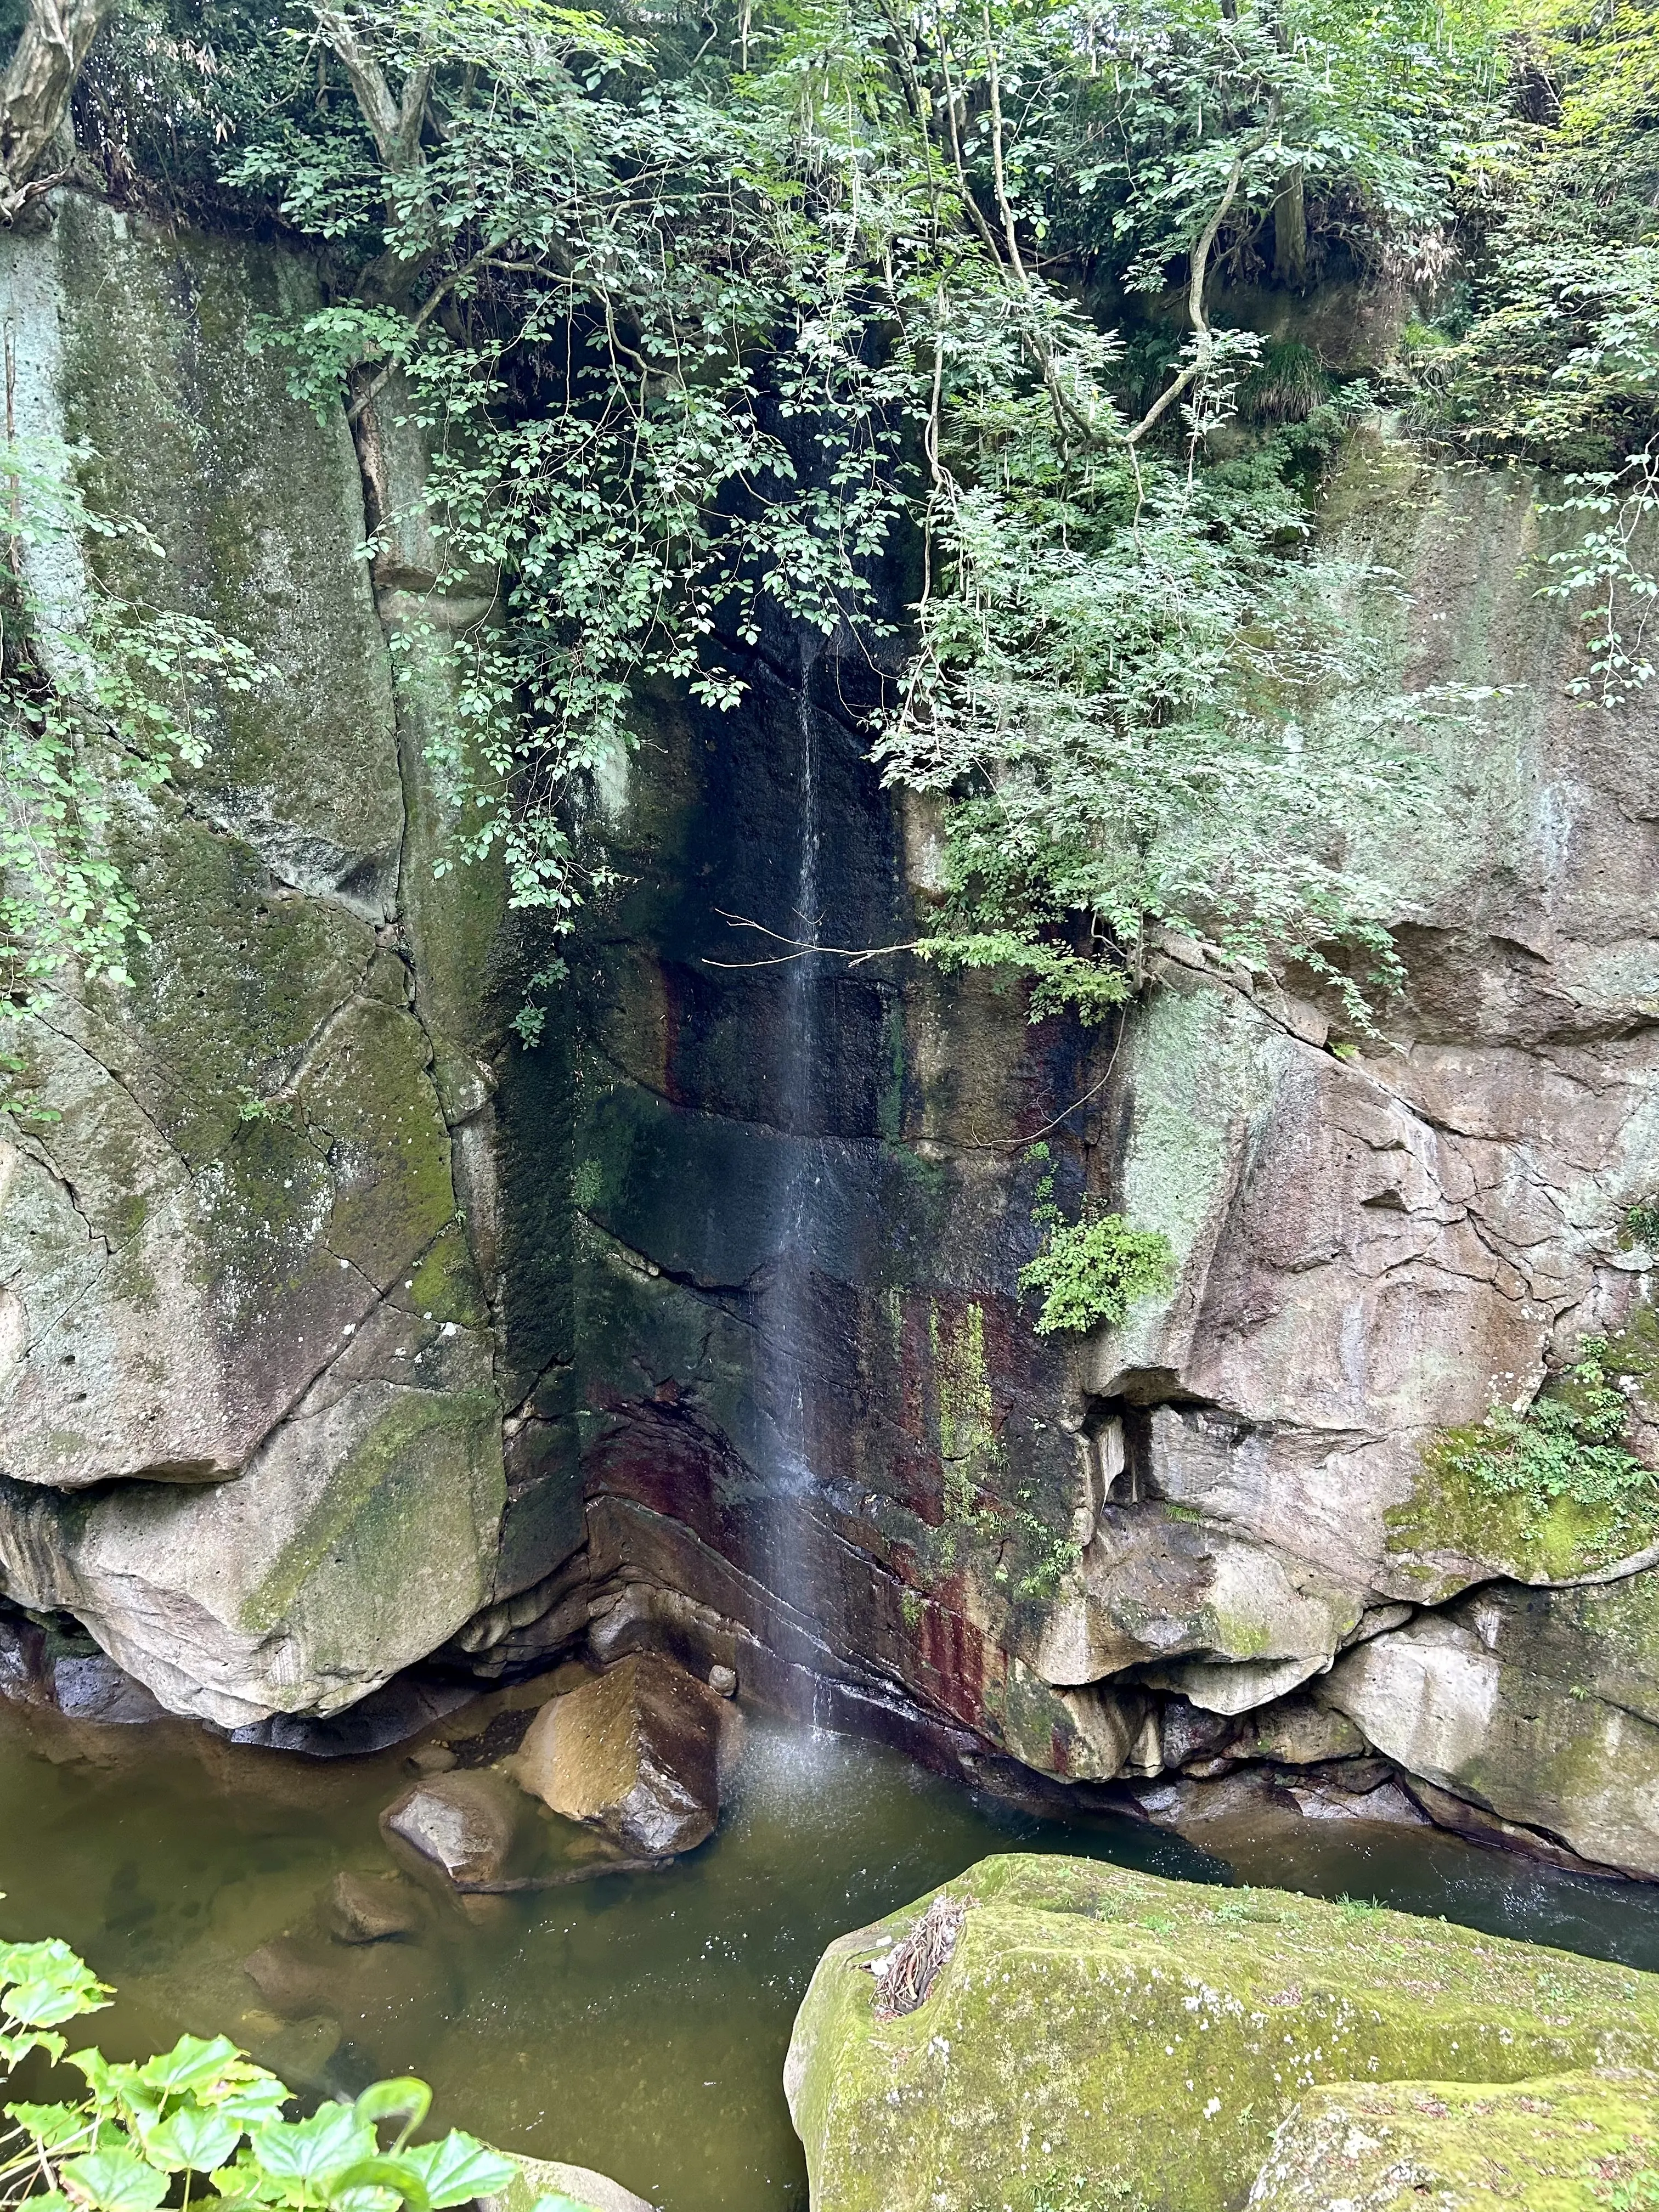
[57, 36]
[1291, 230]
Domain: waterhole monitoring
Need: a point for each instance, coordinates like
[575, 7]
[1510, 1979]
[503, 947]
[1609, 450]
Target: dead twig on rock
[905, 1975]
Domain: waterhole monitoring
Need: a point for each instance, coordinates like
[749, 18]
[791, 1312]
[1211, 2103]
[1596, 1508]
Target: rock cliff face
[338, 1334]
[253, 1432]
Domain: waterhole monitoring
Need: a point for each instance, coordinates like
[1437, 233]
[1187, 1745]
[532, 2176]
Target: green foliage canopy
[718, 329]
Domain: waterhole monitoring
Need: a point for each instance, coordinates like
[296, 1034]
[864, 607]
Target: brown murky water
[636, 2024]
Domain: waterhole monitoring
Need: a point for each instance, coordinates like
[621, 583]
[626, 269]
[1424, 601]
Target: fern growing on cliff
[1570, 1445]
[1091, 1271]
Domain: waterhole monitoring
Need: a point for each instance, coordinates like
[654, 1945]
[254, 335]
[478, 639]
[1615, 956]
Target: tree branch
[1201, 332]
[56, 38]
[396, 122]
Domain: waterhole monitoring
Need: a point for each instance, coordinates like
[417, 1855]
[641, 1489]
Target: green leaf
[248, 2094]
[310, 2153]
[198, 2141]
[114, 2181]
[44, 1983]
[459, 2168]
[404, 2097]
[15, 2049]
[193, 2063]
[393, 2175]
[51, 2125]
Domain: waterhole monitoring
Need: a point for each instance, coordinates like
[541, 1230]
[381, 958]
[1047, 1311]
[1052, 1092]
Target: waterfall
[789, 1346]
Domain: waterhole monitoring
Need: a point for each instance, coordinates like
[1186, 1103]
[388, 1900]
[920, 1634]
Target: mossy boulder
[1539, 1705]
[1151, 2035]
[1568, 2143]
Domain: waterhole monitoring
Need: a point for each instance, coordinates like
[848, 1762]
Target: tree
[34, 95]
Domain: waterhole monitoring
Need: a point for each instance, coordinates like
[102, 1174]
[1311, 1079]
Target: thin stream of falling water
[800, 1046]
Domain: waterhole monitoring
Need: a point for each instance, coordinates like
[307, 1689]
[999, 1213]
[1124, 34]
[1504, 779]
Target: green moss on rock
[400, 1514]
[1451, 1514]
[1151, 2035]
[1571, 2142]
[367, 1099]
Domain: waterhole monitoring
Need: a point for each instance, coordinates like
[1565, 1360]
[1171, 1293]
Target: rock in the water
[723, 1681]
[95, 1689]
[1540, 1706]
[542, 2176]
[364, 1908]
[433, 1759]
[467, 1823]
[1400, 2146]
[304, 1976]
[1150, 2035]
[634, 1755]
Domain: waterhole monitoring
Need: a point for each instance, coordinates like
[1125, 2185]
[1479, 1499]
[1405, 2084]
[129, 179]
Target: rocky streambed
[573, 1992]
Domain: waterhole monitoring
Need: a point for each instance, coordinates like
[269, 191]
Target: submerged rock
[537, 2178]
[466, 1823]
[1151, 2035]
[1397, 2146]
[636, 1754]
[303, 1976]
[363, 1908]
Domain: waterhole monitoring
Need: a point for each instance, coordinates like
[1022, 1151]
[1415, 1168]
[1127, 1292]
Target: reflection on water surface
[637, 2024]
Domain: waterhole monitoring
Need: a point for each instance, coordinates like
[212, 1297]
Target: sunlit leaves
[114, 2181]
[144, 2131]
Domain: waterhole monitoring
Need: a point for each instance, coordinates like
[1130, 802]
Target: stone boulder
[362, 1908]
[1540, 1706]
[636, 1754]
[469, 1824]
[1078, 2018]
[578, 2187]
[1399, 2145]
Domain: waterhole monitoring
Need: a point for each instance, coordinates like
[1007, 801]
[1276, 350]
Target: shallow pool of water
[636, 2024]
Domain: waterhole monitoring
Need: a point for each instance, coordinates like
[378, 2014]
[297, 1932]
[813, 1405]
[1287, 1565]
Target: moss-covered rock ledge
[1145, 2040]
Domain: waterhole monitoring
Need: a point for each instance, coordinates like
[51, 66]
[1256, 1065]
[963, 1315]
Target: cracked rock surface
[252, 1429]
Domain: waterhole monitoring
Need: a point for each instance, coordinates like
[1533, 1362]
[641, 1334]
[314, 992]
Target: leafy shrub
[1091, 1270]
[202, 2123]
[1568, 1443]
[1641, 1224]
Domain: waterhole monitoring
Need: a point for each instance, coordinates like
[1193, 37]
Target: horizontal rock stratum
[1152, 2036]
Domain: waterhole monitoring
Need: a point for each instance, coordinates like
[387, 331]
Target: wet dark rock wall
[803, 1384]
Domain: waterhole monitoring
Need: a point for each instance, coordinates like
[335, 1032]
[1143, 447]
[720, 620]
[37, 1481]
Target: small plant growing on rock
[1091, 1270]
[1568, 1443]
[1641, 1225]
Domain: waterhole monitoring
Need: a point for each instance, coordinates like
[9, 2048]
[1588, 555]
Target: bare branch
[35, 94]
[800, 949]
[1201, 332]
